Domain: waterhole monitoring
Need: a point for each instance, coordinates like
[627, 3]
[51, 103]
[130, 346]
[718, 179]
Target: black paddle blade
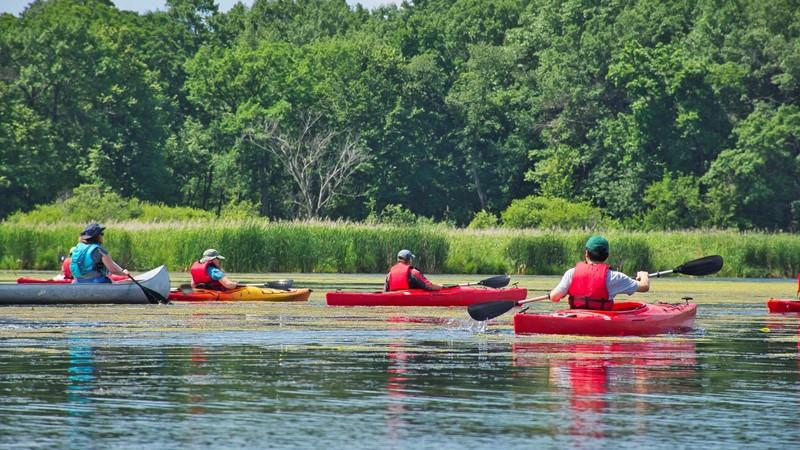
[703, 266]
[153, 296]
[496, 281]
[280, 284]
[490, 310]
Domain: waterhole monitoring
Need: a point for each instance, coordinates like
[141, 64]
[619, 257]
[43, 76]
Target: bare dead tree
[319, 160]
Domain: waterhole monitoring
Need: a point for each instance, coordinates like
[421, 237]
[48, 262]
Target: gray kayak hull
[122, 292]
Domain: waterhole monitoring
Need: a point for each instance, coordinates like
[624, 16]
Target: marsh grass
[329, 247]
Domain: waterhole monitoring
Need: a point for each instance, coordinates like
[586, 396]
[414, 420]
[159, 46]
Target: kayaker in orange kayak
[90, 262]
[207, 274]
[405, 276]
[591, 284]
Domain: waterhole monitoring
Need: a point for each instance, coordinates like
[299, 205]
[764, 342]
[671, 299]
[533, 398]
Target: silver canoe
[122, 292]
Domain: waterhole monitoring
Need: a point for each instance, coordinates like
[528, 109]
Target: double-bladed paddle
[277, 284]
[284, 285]
[497, 281]
[489, 310]
[152, 296]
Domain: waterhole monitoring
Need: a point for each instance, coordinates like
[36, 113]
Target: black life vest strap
[602, 304]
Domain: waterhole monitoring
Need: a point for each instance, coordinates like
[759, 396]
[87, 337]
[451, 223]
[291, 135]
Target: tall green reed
[262, 246]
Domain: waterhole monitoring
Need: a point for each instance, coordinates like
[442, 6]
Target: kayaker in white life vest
[90, 262]
[404, 276]
[592, 284]
[207, 273]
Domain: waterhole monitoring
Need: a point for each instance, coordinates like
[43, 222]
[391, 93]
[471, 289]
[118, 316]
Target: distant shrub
[241, 210]
[87, 203]
[675, 204]
[398, 216]
[545, 212]
[93, 203]
[482, 220]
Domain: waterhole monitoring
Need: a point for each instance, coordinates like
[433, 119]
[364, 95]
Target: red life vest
[65, 268]
[588, 289]
[398, 277]
[200, 276]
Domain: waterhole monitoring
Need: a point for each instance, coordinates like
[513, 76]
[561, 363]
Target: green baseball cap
[597, 243]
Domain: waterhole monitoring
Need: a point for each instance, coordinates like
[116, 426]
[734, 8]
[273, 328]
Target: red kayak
[626, 319]
[452, 296]
[783, 305]
[26, 280]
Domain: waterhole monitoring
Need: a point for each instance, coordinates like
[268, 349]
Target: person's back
[404, 276]
[90, 262]
[592, 284]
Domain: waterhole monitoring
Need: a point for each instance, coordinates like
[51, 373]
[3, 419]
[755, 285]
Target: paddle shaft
[658, 274]
[533, 299]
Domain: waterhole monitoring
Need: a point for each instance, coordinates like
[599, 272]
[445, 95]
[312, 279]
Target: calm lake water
[311, 376]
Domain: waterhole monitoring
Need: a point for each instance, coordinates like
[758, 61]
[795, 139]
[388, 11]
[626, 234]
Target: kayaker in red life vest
[405, 276]
[207, 274]
[592, 284]
[66, 274]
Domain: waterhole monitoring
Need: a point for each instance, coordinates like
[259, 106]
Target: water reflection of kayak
[626, 319]
[783, 305]
[589, 371]
[452, 296]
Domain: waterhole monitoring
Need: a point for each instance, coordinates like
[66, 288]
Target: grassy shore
[328, 247]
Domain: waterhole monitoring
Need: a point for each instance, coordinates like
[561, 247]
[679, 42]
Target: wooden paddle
[496, 282]
[489, 310]
[152, 296]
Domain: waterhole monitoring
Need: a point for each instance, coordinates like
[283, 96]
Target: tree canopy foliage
[662, 115]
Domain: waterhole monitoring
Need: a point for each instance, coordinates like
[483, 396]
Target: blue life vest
[82, 262]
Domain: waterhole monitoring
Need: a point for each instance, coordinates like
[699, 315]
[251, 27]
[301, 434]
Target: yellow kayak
[246, 293]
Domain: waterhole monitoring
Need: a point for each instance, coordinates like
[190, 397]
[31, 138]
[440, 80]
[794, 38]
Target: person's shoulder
[617, 275]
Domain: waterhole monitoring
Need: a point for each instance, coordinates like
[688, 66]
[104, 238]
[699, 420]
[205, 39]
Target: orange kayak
[246, 293]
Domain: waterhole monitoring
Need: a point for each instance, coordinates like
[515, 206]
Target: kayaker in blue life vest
[404, 276]
[592, 284]
[90, 262]
[207, 274]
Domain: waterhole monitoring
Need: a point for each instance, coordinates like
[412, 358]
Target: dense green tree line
[672, 114]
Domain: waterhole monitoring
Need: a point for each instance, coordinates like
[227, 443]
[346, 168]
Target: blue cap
[405, 255]
[93, 230]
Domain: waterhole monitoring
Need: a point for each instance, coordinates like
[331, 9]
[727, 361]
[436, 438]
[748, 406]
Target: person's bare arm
[112, 266]
[228, 283]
